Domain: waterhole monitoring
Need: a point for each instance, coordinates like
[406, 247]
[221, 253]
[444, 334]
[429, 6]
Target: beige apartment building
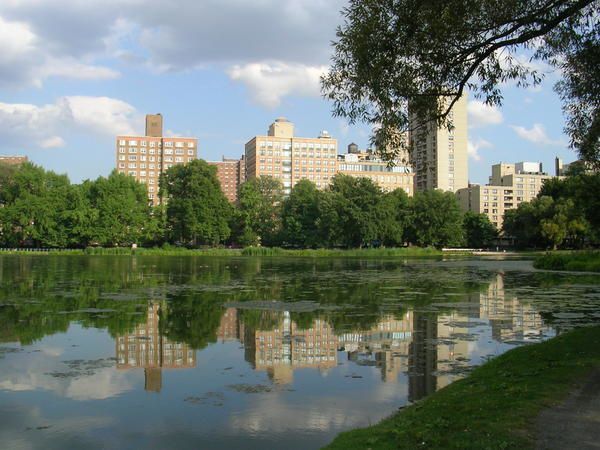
[146, 157]
[509, 186]
[231, 174]
[439, 156]
[13, 160]
[282, 155]
[366, 164]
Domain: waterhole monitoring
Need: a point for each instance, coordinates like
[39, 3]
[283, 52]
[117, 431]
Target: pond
[191, 352]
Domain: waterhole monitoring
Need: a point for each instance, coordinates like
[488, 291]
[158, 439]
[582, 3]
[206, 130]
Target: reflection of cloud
[273, 413]
[34, 372]
[73, 429]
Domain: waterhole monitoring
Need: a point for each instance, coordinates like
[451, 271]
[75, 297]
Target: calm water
[122, 352]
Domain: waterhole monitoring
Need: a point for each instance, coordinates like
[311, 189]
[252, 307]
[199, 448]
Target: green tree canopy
[350, 212]
[197, 210]
[259, 215]
[120, 209]
[388, 53]
[40, 208]
[479, 231]
[300, 216]
[436, 219]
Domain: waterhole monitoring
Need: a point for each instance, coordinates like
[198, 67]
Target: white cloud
[72, 69]
[26, 60]
[536, 134]
[26, 125]
[268, 83]
[473, 148]
[52, 142]
[481, 115]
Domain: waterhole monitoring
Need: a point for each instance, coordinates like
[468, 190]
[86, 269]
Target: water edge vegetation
[495, 406]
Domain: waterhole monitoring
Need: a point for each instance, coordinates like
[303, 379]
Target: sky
[76, 73]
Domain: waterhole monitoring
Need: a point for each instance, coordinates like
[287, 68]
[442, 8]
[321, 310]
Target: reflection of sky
[29, 370]
[198, 407]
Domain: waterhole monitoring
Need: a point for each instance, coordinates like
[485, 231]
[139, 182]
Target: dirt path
[575, 423]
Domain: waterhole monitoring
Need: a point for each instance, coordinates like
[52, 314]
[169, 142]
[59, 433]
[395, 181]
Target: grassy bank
[494, 407]
[248, 251]
[574, 261]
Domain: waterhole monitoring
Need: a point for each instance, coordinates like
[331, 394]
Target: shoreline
[496, 406]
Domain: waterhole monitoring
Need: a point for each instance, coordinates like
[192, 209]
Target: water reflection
[146, 347]
[225, 353]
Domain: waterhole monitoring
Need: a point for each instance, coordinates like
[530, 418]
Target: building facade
[231, 174]
[146, 157]
[282, 155]
[439, 156]
[509, 186]
[367, 164]
[13, 160]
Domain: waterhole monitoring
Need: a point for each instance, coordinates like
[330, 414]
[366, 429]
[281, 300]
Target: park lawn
[494, 407]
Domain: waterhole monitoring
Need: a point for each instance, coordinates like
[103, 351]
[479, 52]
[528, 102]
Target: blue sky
[75, 73]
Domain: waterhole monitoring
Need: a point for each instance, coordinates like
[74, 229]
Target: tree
[197, 211]
[479, 231]
[394, 215]
[120, 210]
[259, 215]
[582, 189]
[388, 53]
[546, 222]
[436, 219]
[40, 208]
[349, 212]
[300, 216]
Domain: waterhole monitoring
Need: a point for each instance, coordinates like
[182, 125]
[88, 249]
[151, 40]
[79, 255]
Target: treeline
[43, 209]
[565, 214]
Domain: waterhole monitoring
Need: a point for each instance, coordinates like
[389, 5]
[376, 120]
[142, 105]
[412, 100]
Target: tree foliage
[479, 231]
[388, 53]
[436, 220]
[197, 210]
[300, 216]
[259, 215]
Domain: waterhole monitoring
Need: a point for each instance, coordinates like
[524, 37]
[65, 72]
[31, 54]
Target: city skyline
[67, 91]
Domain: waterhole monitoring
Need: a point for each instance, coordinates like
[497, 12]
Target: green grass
[572, 261]
[249, 251]
[494, 407]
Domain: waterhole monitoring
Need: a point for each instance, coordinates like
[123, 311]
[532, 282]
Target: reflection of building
[384, 345]
[422, 357]
[146, 157]
[287, 347]
[230, 327]
[146, 348]
[510, 318]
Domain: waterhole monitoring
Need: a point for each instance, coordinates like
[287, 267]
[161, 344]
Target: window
[121, 157]
[190, 152]
[190, 145]
[133, 143]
